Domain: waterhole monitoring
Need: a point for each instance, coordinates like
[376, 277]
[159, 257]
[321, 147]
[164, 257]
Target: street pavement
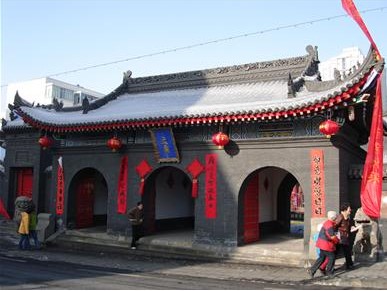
[364, 276]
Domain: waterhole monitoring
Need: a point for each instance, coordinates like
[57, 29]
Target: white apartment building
[344, 62]
[44, 90]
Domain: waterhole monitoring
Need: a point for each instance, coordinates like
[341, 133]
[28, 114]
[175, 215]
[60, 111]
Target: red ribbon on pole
[372, 180]
[122, 186]
[352, 11]
[60, 188]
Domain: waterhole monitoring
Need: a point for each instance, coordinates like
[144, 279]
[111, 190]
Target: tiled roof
[237, 92]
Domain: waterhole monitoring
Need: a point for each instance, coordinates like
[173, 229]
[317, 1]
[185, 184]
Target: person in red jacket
[326, 242]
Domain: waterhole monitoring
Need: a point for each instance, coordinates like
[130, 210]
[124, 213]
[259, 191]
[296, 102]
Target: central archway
[168, 202]
[266, 205]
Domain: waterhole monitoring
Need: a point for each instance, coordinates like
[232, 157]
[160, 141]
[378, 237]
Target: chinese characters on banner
[210, 186]
[164, 145]
[122, 186]
[60, 188]
[318, 183]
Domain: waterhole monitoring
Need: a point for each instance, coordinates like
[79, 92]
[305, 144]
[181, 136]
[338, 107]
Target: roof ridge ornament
[312, 67]
[127, 78]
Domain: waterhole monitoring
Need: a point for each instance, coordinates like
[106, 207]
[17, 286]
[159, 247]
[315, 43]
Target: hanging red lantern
[220, 139]
[45, 142]
[329, 128]
[114, 143]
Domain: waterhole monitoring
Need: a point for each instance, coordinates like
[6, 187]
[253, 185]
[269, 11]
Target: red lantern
[220, 139]
[45, 142]
[329, 127]
[114, 143]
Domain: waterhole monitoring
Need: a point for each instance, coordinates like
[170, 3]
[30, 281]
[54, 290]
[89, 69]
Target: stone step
[175, 249]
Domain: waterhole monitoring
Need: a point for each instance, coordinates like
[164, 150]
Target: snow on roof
[216, 100]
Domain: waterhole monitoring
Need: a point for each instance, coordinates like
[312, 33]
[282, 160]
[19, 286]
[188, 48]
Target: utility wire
[296, 25]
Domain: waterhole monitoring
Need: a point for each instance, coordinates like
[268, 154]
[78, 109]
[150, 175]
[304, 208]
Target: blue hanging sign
[164, 145]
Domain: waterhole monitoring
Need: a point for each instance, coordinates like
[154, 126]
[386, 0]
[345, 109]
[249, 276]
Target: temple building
[234, 154]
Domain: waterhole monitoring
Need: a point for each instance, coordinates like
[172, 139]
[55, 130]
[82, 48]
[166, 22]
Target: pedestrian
[315, 238]
[24, 243]
[326, 242]
[32, 226]
[345, 227]
[136, 217]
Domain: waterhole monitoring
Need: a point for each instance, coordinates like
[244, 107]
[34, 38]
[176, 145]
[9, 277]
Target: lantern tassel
[194, 188]
[142, 184]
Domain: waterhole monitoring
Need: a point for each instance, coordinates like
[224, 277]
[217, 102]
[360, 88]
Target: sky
[44, 37]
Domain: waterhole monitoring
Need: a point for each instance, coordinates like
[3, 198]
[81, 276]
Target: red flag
[371, 184]
[351, 9]
[122, 186]
[3, 211]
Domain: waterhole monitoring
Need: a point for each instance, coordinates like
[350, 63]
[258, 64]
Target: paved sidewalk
[116, 254]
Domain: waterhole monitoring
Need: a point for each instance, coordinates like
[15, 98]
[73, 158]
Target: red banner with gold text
[372, 179]
[318, 183]
[210, 186]
[60, 188]
[122, 186]
[352, 11]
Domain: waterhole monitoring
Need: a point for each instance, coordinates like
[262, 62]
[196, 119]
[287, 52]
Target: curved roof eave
[113, 114]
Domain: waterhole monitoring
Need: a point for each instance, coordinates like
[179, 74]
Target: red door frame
[251, 210]
[24, 182]
[85, 203]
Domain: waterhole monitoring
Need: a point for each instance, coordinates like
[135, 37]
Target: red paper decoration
[45, 142]
[122, 186]
[114, 143]
[195, 169]
[142, 170]
[220, 139]
[329, 128]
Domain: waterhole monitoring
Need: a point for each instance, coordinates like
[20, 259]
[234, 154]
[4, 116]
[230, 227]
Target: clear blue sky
[43, 37]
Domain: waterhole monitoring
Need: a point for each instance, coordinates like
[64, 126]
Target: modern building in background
[345, 62]
[44, 90]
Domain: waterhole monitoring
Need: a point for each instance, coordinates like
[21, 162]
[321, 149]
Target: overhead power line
[296, 25]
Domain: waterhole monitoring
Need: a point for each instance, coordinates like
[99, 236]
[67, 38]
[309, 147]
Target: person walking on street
[32, 226]
[344, 227]
[326, 242]
[24, 243]
[136, 217]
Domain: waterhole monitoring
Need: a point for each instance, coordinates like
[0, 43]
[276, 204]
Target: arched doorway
[88, 195]
[265, 205]
[168, 203]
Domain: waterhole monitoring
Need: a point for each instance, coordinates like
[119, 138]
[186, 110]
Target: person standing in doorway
[326, 242]
[136, 216]
[345, 227]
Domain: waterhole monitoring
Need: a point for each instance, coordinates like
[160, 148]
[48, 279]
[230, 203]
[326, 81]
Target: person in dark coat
[136, 216]
[345, 227]
[326, 242]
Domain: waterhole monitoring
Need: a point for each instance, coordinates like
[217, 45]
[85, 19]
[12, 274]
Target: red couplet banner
[122, 186]
[210, 186]
[318, 183]
[60, 188]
